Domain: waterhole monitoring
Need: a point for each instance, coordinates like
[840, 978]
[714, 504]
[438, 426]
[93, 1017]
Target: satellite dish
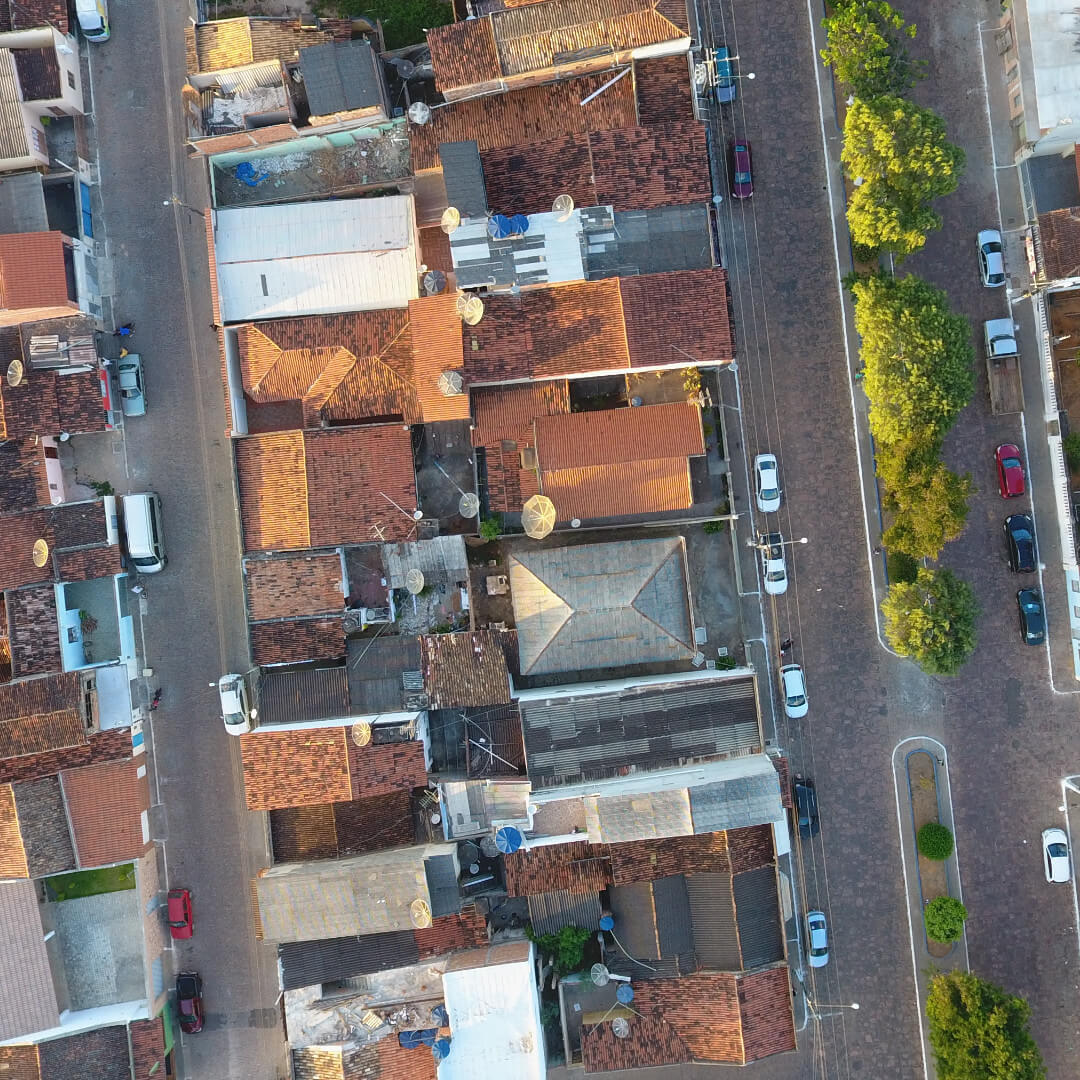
[419, 112]
[600, 975]
[361, 733]
[41, 553]
[488, 847]
[625, 993]
[499, 227]
[434, 282]
[508, 839]
[451, 219]
[472, 311]
[538, 517]
[620, 1027]
[405, 68]
[607, 922]
[15, 372]
[469, 504]
[451, 383]
[420, 913]
[414, 581]
[441, 1048]
[563, 207]
[519, 225]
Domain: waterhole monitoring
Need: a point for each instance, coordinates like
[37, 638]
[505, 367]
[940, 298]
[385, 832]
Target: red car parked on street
[742, 180]
[181, 917]
[1010, 470]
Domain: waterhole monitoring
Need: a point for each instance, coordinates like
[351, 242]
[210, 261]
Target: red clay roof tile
[108, 745]
[147, 1048]
[465, 669]
[1059, 235]
[577, 867]
[105, 805]
[623, 489]
[643, 168]
[307, 584]
[664, 92]
[41, 714]
[32, 272]
[297, 640]
[306, 767]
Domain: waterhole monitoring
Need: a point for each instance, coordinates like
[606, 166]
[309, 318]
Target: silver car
[129, 373]
[991, 258]
[236, 708]
[767, 483]
[817, 939]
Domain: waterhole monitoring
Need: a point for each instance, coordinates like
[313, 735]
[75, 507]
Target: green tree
[566, 948]
[490, 528]
[935, 841]
[945, 917]
[897, 154]
[932, 620]
[929, 510]
[978, 1032]
[866, 48]
[403, 21]
[917, 356]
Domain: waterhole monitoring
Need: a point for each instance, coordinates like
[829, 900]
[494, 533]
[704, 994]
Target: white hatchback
[767, 483]
[236, 708]
[1055, 845]
[991, 258]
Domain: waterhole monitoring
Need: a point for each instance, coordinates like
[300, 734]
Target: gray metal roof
[550, 912]
[652, 241]
[442, 883]
[757, 910]
[306, 963]
[673, 922]
[442, 558]
[341, 75]
[307, 694]
[590, 736]
[22, 203]
[712, 910]
[736, 803]
[464, 177]
[376, 667]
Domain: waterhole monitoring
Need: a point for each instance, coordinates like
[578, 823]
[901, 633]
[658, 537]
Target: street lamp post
[763, 545]
[813, 1008]
[175, 200]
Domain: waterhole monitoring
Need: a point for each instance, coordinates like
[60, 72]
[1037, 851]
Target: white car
[793, 684]
[773, 566]
[817, 939]
[236, 708]
[991, 258]
[767, 483]
[1055, 846]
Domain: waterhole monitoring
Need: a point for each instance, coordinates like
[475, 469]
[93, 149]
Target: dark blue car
[725, 80]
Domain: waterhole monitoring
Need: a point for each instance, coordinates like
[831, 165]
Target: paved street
[194, 626]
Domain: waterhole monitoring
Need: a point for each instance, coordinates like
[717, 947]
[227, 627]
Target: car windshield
[742, 178]
[1057, 851]
[991, 246]
[776, 575]
[769, 492]
[796, 699]
[1010, 463]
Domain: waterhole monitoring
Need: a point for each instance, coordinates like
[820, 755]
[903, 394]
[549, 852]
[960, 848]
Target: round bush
[945, 919]
[935, 841]
[901, 567]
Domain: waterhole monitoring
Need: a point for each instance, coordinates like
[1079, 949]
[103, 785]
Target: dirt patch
[922, 781]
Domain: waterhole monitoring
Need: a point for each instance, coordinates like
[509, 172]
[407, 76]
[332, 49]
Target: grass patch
[91, 882]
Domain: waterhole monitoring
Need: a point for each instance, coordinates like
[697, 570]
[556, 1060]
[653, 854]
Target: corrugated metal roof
[464, 178]
[305, 963]
[712, 909]
[550, 912]
[27, 995]
[757, 909]
[307, 694]
[673, 923]
[339, 76]
[737, 803]
[442, 557]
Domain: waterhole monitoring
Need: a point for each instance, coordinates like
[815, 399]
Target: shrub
[901, 567]
[935, 841]
[1071, 446]
[490, 528]
[566, 948]
[714, 527]
[945, 917]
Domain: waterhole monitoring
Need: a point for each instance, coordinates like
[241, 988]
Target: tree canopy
[899, 156]
[932, 620]
[928, 510]
[978, 1032]
[866, 48]
[917, 357]
[945, 917]
[403, 21]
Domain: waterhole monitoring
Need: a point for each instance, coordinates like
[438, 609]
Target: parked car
[991, 258]
[236, 708]
[725, 80]
[1032, 616]
[181, 917]
[1055, 846]
[773, 566]
[817, 939]
[1020, 542]
[1010, 470]
[767, 483]
[999, 336]
[794, 686]
[742, 180]
[93, 16]
[189, 1003]
[129, 373]
[806, 812]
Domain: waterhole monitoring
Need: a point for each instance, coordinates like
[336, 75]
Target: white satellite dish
[361, 732]
[15, 372]
[600, 975]
[450, 220]
[472, 311]
[620, 1027]
[451, 383]
[469, 504]
[414, 581]
[420, 913]
[420, 112]
[40, 553]
[562, 207]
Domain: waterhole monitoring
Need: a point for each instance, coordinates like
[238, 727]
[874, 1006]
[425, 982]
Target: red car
[742, 180]
[189, 1002]
[181, 918]
[1010, 469]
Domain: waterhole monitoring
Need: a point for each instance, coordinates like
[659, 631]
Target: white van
[93, 19]
[142, 525]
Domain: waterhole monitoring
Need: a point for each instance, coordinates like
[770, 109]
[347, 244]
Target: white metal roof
[495, 1028]
[1052, 26]
[315, 258]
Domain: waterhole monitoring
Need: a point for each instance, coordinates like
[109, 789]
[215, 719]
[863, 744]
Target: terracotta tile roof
[46, 403]
[35, 638]
[383, 1060]
[43, 823]
[435, 250]
[664, 92]
[16, 553]
[542, 38]
[108, 745]
[577, 868]
[642, 168]
[648, 860]
[750, 848]
[464, 669]
[508, 412]
[78, 402]
[670, 316]
[509, 485]
[147, 1048]
[297, 640]
[323, 488]
[308, 584]
[30, 14]
[450, 933]
[105, 803]
[521, 117]
[437, 332]
[100, 1054]
[313, 766]
[39, 73]
[652, 1042]
[1059, 236]
[783, 769]
[13, 862]
[41, 714]
[83, 564]
[765, 1005]
[624, 489]
[227, 43]
[32, 271]
[525, 179]
[19, 1062]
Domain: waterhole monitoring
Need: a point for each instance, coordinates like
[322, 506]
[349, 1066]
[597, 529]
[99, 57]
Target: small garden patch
[83, 883]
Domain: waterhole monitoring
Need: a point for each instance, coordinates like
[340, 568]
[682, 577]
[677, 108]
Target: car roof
[988, 236]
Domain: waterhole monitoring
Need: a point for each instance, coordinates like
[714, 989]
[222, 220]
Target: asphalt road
[194, 626]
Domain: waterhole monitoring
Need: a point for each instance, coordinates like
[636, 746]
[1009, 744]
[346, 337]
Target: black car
[189, 1005]
[806, 806]
[1020, 540]
[1032, 616]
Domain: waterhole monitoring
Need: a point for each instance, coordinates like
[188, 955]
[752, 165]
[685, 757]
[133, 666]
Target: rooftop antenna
[562, 207]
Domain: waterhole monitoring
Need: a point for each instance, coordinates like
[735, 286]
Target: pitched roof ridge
[267, 342]
[656, 570]
[331, 374]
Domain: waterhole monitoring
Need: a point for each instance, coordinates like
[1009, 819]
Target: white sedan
[817, 935]
[236, 708]
[1055, 845]
[793, 684]
[991, 258]
[767, 483]
[773, 564]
